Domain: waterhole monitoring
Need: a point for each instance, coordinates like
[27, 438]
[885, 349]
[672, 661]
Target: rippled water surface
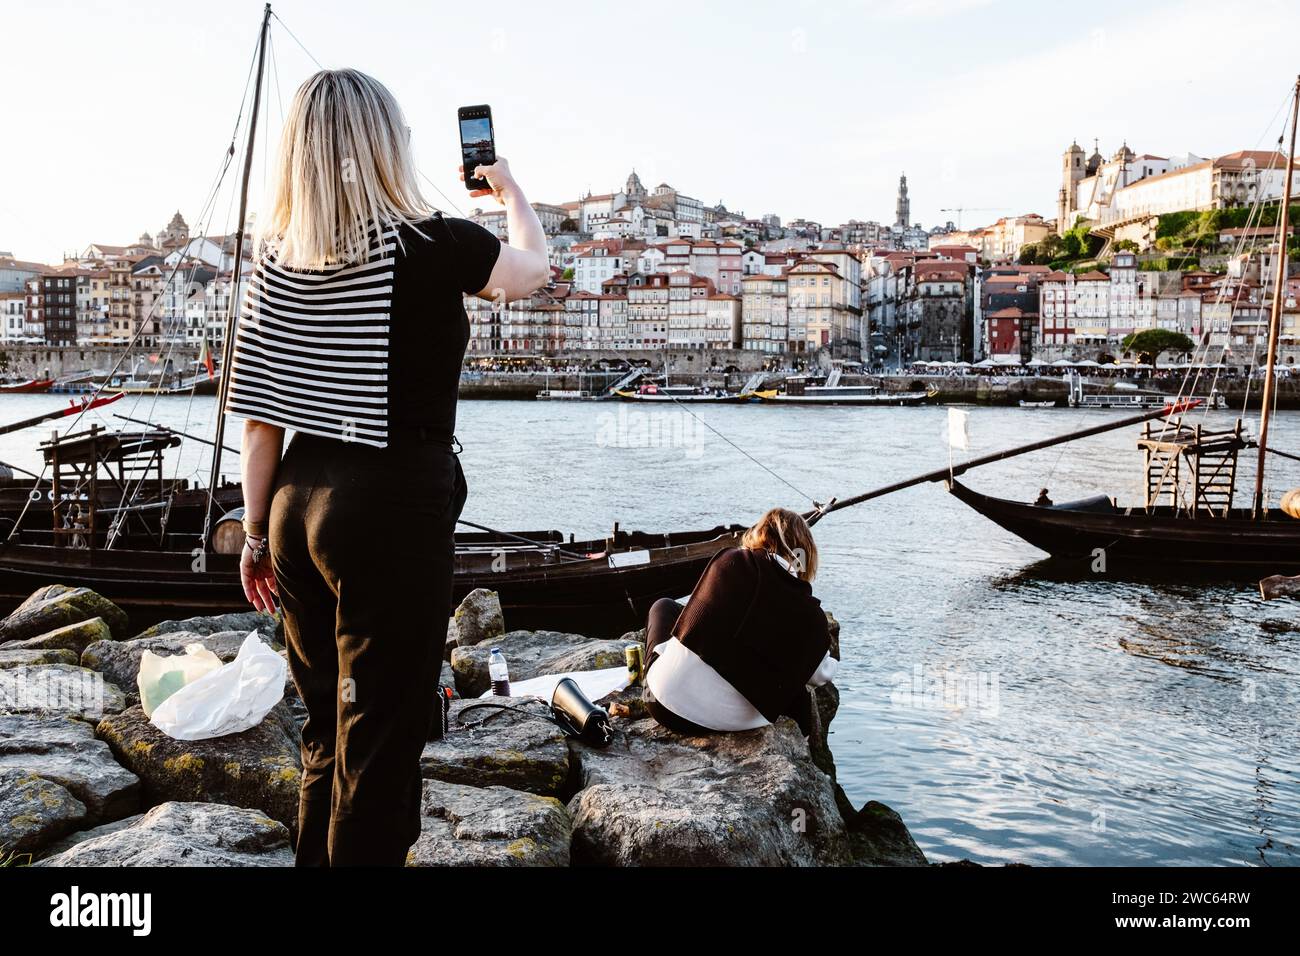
[1094, 720]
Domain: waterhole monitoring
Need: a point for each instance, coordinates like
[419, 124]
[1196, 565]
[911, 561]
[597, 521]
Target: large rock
[258, 768]
[532, 654]
[81, 836]
[877, 837]
[508, 750]
[185, 834]
[35, 657]
[72, 637]
[59, 690]
[489, 826]
[655, 798]
[119, 661]
[34, 811]
[66, 752]
[478, 618]
[269, 626]
[58, 605]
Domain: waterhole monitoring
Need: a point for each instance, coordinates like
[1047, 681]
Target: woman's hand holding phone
[497, 175]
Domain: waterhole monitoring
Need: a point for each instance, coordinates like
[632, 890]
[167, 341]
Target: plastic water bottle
[499, 673]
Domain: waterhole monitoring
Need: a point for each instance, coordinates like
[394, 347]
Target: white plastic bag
[233, 698]
[160, 677]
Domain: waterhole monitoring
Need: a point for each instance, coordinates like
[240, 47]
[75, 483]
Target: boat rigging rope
[297, 41]
[783, 481]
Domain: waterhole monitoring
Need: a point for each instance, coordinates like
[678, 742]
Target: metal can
[635, 671]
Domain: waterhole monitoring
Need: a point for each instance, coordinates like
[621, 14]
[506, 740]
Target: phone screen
[477, 147]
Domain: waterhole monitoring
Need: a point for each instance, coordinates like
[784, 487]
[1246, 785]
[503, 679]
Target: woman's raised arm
[523, 266]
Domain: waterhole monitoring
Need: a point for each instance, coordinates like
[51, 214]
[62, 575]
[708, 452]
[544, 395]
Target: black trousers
[659, 628]
[362, 542]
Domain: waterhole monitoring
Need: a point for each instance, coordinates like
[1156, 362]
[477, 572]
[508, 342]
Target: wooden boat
[31, 385]
[599, 587]
[108, 519]
[1148, 539]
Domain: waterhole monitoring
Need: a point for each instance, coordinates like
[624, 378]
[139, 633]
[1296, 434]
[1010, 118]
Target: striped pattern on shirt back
[311, 348]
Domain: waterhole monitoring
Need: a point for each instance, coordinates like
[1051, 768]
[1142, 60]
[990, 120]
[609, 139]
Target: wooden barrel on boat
[228, 532]
[1291, 503]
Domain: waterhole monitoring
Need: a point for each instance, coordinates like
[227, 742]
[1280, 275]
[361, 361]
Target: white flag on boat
[958, 428]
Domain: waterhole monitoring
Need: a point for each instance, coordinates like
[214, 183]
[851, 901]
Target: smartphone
[477, 144]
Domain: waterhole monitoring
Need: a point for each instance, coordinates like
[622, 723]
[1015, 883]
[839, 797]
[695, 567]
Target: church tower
[634, 190]
[176, 233]
[1072, 170]
[903, 210]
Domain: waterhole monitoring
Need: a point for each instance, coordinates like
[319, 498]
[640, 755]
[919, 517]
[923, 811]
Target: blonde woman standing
[351, 335]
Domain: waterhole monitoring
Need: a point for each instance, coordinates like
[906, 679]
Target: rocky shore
[87, 780]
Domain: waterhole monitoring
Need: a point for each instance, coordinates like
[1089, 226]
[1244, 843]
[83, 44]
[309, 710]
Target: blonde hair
[782, 531]
[344, 167]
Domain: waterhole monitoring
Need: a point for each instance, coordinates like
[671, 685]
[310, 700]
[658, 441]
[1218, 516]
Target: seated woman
[750, 640]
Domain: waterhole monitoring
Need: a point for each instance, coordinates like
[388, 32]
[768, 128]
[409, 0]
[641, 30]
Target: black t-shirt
[428, 329]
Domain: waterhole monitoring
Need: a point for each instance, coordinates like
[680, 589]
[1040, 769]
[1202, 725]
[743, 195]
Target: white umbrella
[963, 365]
[1062, 363]
[1036, 363]
[1088, 363]
[986, 363]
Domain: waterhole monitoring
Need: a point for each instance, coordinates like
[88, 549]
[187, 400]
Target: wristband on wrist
[256, 528]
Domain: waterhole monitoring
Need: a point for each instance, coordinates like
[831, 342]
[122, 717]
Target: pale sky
[118, 114]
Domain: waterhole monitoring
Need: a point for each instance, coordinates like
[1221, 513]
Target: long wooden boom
[73, 408]
[939, 474]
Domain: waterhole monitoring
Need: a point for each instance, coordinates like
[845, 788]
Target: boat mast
[1275, 317]
[232, 310]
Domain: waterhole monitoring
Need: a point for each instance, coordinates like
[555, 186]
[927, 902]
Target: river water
[1007, 713]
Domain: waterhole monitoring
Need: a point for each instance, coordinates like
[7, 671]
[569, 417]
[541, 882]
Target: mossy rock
[508, 750]
[269, 626]
[258, 769]
[58, 605]
[34, 812]
[71, 637]
[14, 657]
[489, 826]
[182, 834]
[59, 690]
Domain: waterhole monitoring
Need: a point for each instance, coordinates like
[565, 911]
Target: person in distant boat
[352, 335]
[750, 641]
[1042, 500]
